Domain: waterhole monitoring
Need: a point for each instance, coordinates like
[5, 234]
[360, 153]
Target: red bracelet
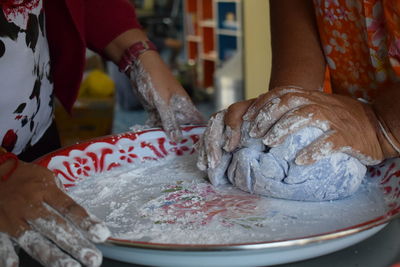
[3, 158]
[132, 54]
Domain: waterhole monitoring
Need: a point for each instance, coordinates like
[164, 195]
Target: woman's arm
[297, 57]
[161, 94]
[297, 60]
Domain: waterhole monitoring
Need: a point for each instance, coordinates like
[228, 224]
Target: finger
[273, 111]
[265, 117]
[331, 142]
[295, 120]
[218, 175]
[66, 237]
[8, 257]
[151, 96]
[214, 139]
[264, 98]
[169, 123]
[320, 148]
[233, 121]
[232, 170]
[239, 171]
[153, 119]
[44, 251]
[202, 155]
[93, 228]
[185, 111]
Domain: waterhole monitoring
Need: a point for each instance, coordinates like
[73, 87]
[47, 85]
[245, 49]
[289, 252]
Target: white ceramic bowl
[85, 159]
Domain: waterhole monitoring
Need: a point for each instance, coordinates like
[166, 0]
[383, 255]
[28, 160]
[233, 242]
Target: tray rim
[390, 215]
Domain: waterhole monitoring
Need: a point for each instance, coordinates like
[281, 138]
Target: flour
[44, 251]
[8, 257]
[96, 231]
[139, 127]
[170, 113]
[68, 239]
[170, 201]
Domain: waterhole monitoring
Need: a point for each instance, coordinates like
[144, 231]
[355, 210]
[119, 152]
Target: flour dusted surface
[170, 201]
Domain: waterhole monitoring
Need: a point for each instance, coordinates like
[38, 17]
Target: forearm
[117, 47]
[387, 110]
[297, 57]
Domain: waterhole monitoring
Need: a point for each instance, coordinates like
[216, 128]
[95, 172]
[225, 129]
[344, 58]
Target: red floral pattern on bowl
[85, 159]
[102, 154]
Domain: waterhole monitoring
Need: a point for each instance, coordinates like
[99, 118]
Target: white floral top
[26, 102]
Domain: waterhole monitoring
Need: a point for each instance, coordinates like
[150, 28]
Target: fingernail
[269, 141]
[214, 161]
[201, 166]
[258, 129]
[304, 159]
[253, 131]
[247, 116]
[91, 258]
[70, 263]
[99, 233]
[300, 160]
[228, 144]
[230, 134]
[176, 135]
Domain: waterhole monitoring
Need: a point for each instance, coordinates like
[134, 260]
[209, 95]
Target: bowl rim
[390, 215]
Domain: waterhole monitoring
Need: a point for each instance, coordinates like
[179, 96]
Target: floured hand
[44, 221]
[258, 169]
[223, 134]
[349, 126]
[162, 96]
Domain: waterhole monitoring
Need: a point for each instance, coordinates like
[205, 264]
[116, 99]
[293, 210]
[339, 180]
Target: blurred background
[218, 49]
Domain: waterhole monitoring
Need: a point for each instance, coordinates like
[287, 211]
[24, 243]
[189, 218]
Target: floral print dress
[361, 42]
[26, 100]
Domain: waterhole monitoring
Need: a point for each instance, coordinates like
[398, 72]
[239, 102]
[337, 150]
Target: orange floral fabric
[361, 42]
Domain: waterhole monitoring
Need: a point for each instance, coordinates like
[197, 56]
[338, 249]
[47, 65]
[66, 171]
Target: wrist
[387, 110]
[392, 145]
[133, 53]
[389, 145]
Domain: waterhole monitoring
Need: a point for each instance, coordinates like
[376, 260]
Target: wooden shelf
[228, 1]
[208, 23]
[229, 32]
[211, 56]
[193, 38]
[209, 38]
[207, 9]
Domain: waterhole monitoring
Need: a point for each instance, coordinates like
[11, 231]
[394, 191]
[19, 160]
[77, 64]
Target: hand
[43, 220]
[223, 134]
[273, 173]
[349, 126]
[162, 96]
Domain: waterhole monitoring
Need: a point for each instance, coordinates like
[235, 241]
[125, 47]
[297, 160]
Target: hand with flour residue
[162, 96]
[37, 214]
[350, 126]
[221, 135]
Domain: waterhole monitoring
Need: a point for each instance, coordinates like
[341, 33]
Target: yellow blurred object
[97, 84]
[90, 117]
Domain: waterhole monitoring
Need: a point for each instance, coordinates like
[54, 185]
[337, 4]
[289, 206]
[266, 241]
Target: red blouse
[74, 25]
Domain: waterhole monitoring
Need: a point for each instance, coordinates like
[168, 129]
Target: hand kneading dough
[272, 172]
